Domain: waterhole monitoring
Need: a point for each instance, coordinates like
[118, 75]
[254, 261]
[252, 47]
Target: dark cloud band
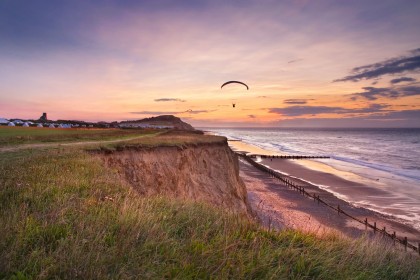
[397, 65]
[402, 79]
[294, 111]
[169, 100]
[373, 93]
[295, 101]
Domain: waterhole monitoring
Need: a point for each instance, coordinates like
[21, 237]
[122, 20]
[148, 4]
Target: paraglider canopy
[235, 82]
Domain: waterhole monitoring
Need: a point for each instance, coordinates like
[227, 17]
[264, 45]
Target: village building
[43, 118]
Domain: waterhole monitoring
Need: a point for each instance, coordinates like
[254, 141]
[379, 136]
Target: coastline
[280, 207]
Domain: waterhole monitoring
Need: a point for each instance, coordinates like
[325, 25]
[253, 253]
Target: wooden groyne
[287, 156]
[316, 198]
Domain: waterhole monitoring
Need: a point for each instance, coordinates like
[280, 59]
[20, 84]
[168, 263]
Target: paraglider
[235, 82]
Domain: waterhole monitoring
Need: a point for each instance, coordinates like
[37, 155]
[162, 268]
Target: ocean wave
[360, 150]
[411, 174]
[393, 155]
[275, 147]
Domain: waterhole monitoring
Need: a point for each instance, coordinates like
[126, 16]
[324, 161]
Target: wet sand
[333, 183]
[281, 207]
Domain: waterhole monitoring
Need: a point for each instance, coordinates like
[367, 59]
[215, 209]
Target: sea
[385, 159]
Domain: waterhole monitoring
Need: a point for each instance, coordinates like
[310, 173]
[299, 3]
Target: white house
[25, 124]
[3, 121]
[40, 125]
[11, 124]
[51, 126]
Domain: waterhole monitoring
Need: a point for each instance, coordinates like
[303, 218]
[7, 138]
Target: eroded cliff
[205, 172]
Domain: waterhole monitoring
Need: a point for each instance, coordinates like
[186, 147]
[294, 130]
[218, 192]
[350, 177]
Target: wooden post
[338, 209]
[418, 248]
[318, 199]
[405, 242]
[366, 223]
[374, 227]
[384, 231]
[394, 235]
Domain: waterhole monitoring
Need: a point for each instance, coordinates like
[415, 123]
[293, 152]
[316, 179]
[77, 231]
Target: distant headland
[159, 122]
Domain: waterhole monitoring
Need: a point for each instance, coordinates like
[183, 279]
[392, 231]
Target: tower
[43, 117]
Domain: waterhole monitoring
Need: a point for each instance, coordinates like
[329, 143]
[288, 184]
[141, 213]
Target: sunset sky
[307, 63]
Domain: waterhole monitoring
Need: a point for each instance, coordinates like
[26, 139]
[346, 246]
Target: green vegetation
[27, 135]
[64, 215]
[167, 138]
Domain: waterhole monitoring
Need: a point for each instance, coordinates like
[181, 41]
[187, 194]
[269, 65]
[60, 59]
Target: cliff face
[207, 172]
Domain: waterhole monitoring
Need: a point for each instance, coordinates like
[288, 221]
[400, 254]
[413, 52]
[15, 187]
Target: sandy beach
[280, 207]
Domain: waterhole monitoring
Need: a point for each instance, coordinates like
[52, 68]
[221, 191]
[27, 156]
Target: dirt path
[80, 143]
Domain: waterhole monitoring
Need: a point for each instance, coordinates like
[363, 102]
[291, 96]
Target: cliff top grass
[28, 135]
[170, 138]
[108, 139]
[64, 215]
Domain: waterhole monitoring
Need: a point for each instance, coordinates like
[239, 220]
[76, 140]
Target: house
[64, 125]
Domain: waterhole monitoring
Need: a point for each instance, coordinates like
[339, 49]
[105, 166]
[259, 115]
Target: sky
[307, 63]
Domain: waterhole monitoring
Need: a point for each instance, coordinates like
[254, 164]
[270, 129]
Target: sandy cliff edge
[206, 173]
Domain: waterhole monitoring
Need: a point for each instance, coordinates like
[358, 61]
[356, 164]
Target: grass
[64, 215]
[28, 135]
[168, 138]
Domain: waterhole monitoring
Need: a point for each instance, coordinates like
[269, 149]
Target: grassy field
[28, 135]
[169, 138]
[64, 215]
